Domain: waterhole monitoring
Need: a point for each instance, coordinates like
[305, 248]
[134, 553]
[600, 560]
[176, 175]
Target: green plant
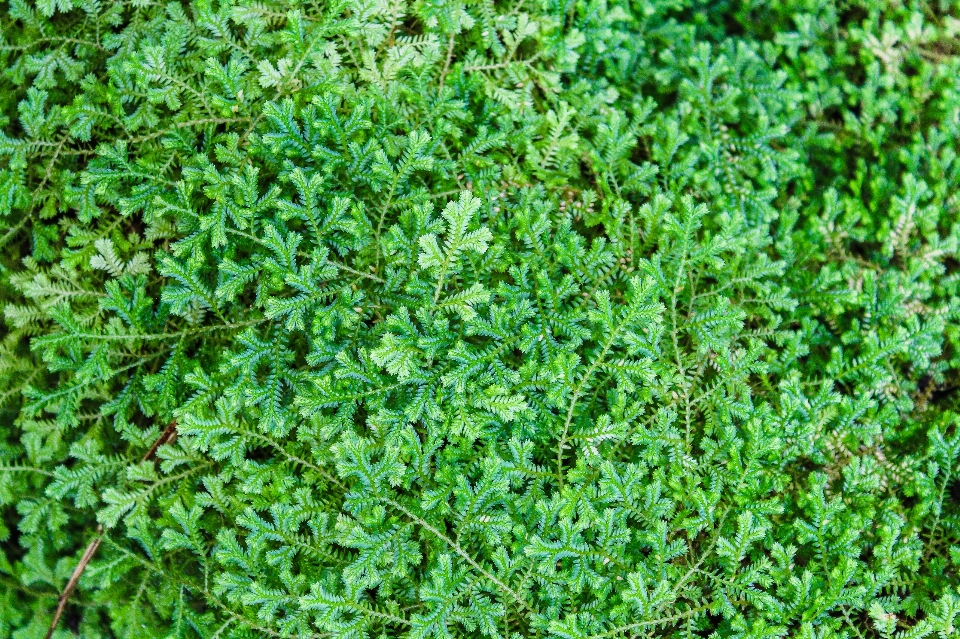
[593, 319]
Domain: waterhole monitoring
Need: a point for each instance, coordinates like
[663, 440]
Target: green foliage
[559, 320]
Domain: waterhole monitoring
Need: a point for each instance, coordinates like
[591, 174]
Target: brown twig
[74, 578]
[166, 437]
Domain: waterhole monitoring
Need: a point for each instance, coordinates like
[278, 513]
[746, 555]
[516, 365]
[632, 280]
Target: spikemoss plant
[407, 319]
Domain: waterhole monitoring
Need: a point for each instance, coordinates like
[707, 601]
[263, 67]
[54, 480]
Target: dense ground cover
[440, 319]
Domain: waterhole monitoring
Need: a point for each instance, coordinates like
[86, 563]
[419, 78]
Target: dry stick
[165, 438]
[168, 435]
[74, 578]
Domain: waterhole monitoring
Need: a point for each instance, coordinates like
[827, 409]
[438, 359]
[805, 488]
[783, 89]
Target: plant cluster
[408, 318]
